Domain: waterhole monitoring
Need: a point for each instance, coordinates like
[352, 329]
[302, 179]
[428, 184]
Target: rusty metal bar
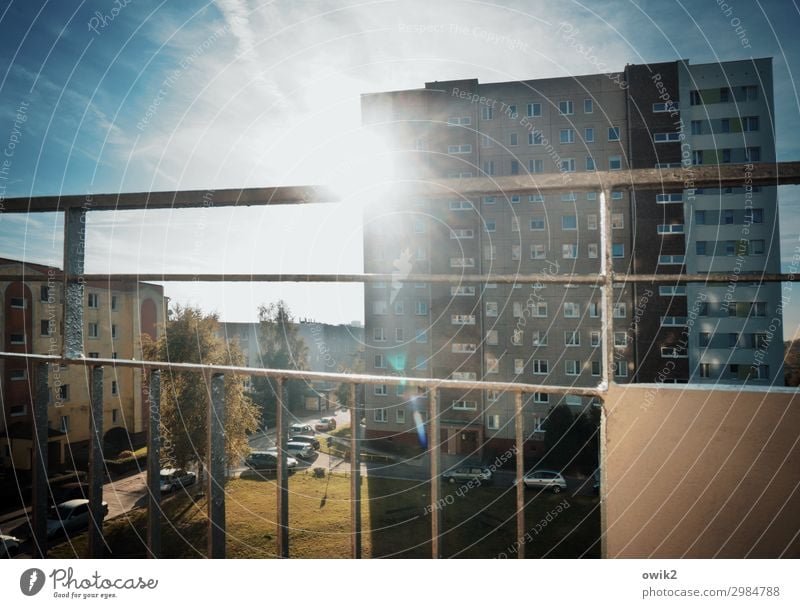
[216, 469]
[435, 450]
[355, 475]
[154, 466]
[96, 466]
[677, 178]
[282, 430]
[519, 426]
[39, 464]
[606, 268]
[585, 391]
[74, 239]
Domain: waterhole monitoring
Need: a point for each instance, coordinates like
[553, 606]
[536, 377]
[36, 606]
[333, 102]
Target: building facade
[116, 316]
[644, 116]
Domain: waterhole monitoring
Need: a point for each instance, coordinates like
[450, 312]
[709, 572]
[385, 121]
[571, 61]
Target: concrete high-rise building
[646, 116]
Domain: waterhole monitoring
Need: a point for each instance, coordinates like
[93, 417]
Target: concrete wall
[695, 473]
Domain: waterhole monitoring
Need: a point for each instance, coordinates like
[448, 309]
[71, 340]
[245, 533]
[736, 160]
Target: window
[616, 195]
[572, 338]
[566, 136]
[44, 293]
[572, 368]
[569, 251]
[379, 307]
[591, 221]
[462, 319]
[614, 162]
[399, 307]
[753, 155]
[671, 321]
[488, 167]
[568, 197]
[514, 167]
[617, 221]
[519, 366]
[94, 355]
[569, 222]
[535, 166]
[757, 247]
[536, 198]
[618, 250]
[516, 308]
[493, 420]
[400, 415]
[590, 163]
[380, 390]
[460, 205]
[512, 139]
[490, 225]
[93, 300]
[534, 109]
[114, 303]
[539, 310]
[459, 120]
[754, 216]
[705, 370]
[18, 374]
[620, 310]
[64, 425]
[588, 135]
[540, 366]
[594, 310]
[620, 339]
[594, 338]
[588, 106]
[539, 338]
[44, 327]
[486, 113]
[94, 330]
[399, 334]
[380, 414]
[492, 365]
[535, 138]
[669, 229]
[18, 303]
[593, 250]
[516, 251]
[464, 405]
[457, 347]
[621, 368]
[675, 197]
[613, 133]
[114, 332]
[512, 111]
[572, 310]
[491, 309]
[669, 136]
[462, 233]
[672, 290]
[595, 368]
[541, 398]
[421, 337]
[114, 387]
[421, 308]
[421, 362]
[671, 260]
[462, 291]
[537, 223]
[700, 247]
[491, 337]
[568, 165]
[566, 108]
[750, 123]
[462, 262]
[378, 334]
[380, 361]
[63, 392]
[669, 106]
[700, 217]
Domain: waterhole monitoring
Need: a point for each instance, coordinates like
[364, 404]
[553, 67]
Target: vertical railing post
[355, 476]
[607, 290]
[282, 427]
[39, 464]
[519, 426]
[154, 467]
[74, 241]
[216, 468]
[96, 465]
[434, 439]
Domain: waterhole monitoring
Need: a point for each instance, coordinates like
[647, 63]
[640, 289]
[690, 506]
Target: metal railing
[73, 277]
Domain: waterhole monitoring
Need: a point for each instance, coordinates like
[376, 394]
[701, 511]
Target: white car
[70, 516]
[542, 478]
[9, 546]
[172, 479]
[299, 450]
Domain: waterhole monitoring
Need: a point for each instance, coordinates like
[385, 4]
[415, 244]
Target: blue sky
[193, 95]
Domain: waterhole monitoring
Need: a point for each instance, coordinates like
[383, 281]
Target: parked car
[172, 479]
[267, 460]
[301, 429]
[299, 450]
[467, 473]
[70, 516]
[325, 424]
[9, 546]
[312, 441]
[542, 478]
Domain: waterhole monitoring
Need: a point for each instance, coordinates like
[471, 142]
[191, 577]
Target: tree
[558, 439]
[281, 347]
[192, 337]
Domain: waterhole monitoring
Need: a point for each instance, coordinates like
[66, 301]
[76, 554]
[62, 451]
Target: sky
[134, 96]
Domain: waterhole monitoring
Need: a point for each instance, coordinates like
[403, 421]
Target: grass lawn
[479, 523]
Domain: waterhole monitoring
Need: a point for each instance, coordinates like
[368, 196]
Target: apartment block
[644, 116]
[116, 316]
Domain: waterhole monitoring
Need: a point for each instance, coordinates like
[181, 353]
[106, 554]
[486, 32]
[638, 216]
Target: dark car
[172, 479]
[69, 491]
[312, 441]
[70, 516]
[267, 461]
[9, 546]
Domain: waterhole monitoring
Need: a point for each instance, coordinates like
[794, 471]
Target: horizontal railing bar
[290, 374]
[701, 176]
[530, 278]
